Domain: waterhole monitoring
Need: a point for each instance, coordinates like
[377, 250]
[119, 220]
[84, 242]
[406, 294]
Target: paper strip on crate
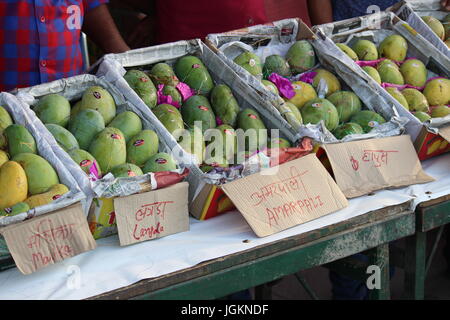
[152, 215]
[361, 167]
[285, 196]
[48, 239]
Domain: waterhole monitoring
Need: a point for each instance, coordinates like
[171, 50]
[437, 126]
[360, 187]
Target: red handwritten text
[46, 232]
[377, 157]
[152, 209]
[147, 232]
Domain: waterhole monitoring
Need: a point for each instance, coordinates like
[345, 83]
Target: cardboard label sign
[300, 191]
[39, 242]
[444, 132]
[361, 167]
[153, 214]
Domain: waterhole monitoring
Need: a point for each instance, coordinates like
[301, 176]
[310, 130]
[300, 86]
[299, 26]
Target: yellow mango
[13, 184]
[51, 195]
[3, 157]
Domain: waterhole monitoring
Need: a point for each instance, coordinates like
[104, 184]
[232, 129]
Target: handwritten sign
[300, 191]
[39, 242]
[361, 167]
[153, 214]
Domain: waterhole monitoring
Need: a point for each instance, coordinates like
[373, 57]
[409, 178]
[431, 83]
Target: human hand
[143, 34]
[445, 4]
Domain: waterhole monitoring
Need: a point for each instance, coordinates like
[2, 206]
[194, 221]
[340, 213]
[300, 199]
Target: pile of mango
[404, 79]
[341, 110]
[197, 105]
[99, 139]
[27, 180]
[440, 28]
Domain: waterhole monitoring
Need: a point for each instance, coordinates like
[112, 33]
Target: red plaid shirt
[40, 40]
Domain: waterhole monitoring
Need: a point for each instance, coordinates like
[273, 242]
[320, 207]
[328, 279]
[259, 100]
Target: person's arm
[320, 11]
[445, 4]
[101, 29]
[144, 6]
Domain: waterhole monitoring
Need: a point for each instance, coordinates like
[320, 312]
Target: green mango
[390, 73]
[320, 109]
[192, 71]
[16, 209]
[347, 129]
[174, 93]
[162, 73]
[5, 119]
[397, 95]
[435, 25]
[228, 146]
[85, 126]
[75, 109]
[19, 140]
[169, 116]
[160, 162]
[440, 112]
[63, 137]
[331, 80]
[348, 51]
[295, 111]
[84, 160]
[365, 50]
[371, 71]
[394, 47]
[142, 146]
[276, 64]
[301, 57]
[141, 83]
[198, 109]
[414, 72]
[270, 86]
[40, 174]
[3, 142]
[109, 149]
[99, 99]
[193, 143]
[437, 92]
[126, 170]
[53, 108]
[128, 123]
[224, 104]
[416, 100]
[368, 120]
[247, 120]
[347, 104]
[422, 116]
[250, 62]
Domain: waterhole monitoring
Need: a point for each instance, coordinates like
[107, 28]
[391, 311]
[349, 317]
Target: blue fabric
[346, 9]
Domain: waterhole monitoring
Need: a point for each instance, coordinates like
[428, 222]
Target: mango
[390, 73]
[347, 104]
[192, 71]
[224, 104]
[128, 123]
[5, 119]
[3, 142]
[109, 149]
[304, 92]
[320, 109]
[348, 51]
[371, 71]
[40, 174]
[331, 81]
[75, 109]
[301, 57]
[250, 62]
[347, 129]
[162, 73]
[250, 121]
[85, 126]
[99, 99]
[440, 112]
[394, 47]
[193, 143]
[416, 100]
[85, 161]
[3, 157]
[19, 140]
[295, 111]
[368, 120]
[198, 111]
[63, 137]
[437, 92]
[365, 50]
[278, 143]
[270, 86]
[414, 72]
[143, 86]
[170, 117]
[53, 108]
[126, 170]
[141, 147]
[276, 64]
[160, 162]
[397, 95]
[16, 209]
[214, 162]
[53, 194]
[388, 61]
[227, 146]
[422, 116]
[13, 184]
[435, 25]
[174, 93]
